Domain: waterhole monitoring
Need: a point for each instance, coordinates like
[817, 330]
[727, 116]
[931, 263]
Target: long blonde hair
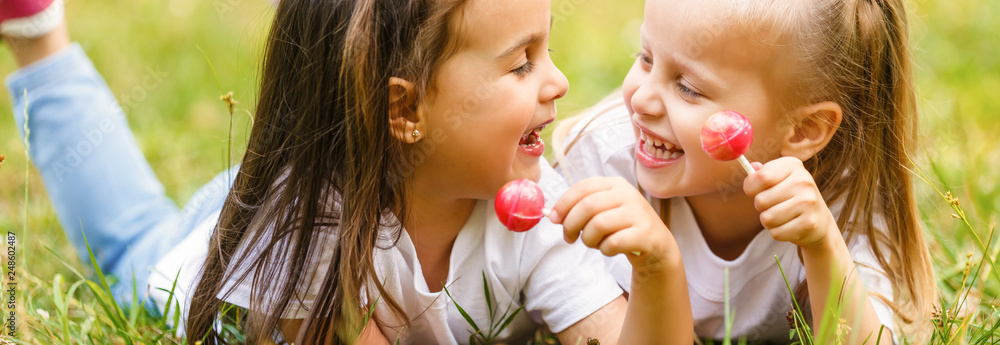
[857, 53]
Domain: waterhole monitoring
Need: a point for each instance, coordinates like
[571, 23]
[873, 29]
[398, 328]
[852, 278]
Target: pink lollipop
[727, 136]
[519, 205]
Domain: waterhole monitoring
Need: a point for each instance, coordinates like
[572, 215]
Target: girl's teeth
[659, 149]
[527, 139]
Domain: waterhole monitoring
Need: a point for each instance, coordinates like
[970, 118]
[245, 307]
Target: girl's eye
[526, 68]
[687, 92]
[645, 58]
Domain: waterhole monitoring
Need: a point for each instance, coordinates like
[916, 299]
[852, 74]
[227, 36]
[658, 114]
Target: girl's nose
[557, 85]
[646, 100]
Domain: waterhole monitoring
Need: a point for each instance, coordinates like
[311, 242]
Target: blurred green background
[182, 126]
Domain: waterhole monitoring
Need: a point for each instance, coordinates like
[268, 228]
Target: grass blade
[490, 334]
[728, 317]
[368, 317]
[509, 319]
[170, 298]
[133, 312]
[103, 291]
[61, 307]
[489, 301]
[27, 175]
[805, 334]
[462, 311]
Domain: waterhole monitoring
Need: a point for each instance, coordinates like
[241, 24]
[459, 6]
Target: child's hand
[609, 214]
[790, 204]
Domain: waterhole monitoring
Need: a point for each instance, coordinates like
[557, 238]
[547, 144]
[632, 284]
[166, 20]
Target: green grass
[497, 324]
[184, 131]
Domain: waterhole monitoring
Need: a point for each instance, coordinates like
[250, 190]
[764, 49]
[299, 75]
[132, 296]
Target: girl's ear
[404, 119]
[811, 129]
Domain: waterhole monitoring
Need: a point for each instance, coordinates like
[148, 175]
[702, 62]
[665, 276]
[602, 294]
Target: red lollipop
[519, 205]
[727, 136]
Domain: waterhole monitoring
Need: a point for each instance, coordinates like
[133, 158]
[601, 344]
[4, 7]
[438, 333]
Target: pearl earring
[416, 134]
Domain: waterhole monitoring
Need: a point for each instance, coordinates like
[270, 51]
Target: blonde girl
[828, 88]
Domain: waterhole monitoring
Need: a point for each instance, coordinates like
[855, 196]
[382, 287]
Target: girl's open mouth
[653, 152]
[531, 143]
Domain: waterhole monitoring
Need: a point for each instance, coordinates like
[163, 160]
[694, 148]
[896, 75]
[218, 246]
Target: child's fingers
[767, 176]
[772, 196]
[780, 214]
[623, 241]
[790, 231]
[603, 225]
[583, 212]
[576, 193]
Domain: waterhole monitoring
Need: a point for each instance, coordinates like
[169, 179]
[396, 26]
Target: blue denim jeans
[99, 182]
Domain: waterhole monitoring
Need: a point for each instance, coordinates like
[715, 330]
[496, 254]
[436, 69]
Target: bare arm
[658, 312]
[793, 210]
[609, 214]
[830, 269]
[605, 325]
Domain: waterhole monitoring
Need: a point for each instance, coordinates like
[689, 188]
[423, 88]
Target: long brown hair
[321, 158]
[857, 54]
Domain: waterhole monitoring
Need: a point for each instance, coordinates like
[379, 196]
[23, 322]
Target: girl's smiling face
[491, 99]
[691, 66]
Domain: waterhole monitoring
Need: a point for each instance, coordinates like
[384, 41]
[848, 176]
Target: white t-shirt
[604, 145]
[557, 283]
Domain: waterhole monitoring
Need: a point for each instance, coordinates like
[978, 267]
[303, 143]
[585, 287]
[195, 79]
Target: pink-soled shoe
[29, 18]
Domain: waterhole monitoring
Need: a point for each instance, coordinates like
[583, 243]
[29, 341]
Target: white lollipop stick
[746, 164]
